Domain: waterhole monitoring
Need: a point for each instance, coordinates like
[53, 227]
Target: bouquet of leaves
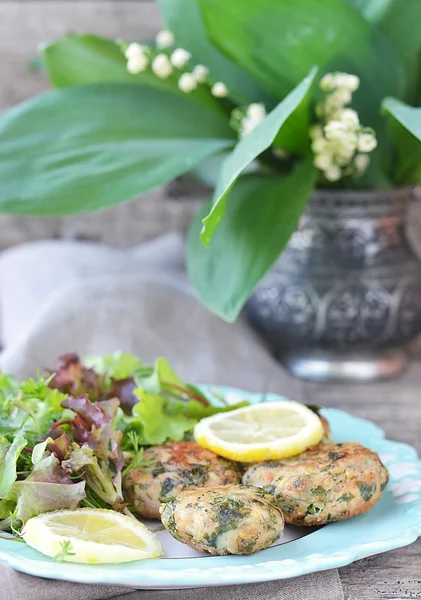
[287, 95]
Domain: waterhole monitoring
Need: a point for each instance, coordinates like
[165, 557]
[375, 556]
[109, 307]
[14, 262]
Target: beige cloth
[59, 297]
[317, 586]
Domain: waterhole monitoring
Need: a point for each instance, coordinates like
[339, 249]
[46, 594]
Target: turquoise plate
[394, 522]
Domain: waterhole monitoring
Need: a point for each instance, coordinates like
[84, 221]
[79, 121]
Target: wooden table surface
[396, 407]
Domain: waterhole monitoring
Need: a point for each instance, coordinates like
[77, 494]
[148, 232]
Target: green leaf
[37, 497]
[151, 379]
[158, 426]
[248, 149]
[86, 148]
[195, 410]
[39, 449]
[262, 213]
[399, 21]
[405, 132]
[84, 59]
[165, 372]
[9, 454]
[278, 41]
[119, 365]
[183, 18]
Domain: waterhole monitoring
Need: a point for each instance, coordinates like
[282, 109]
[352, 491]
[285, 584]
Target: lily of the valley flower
[245, 119]
[255, 113]
[165, 39]
[366, 142]
[200, 72]
[340, 143]
[180, 57]
[332, 81]
[161, 66]
[361, 162]
[187, 82]
[137, 59]
[219, 90]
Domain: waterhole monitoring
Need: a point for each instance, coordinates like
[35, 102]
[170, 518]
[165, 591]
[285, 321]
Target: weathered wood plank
[396, 407]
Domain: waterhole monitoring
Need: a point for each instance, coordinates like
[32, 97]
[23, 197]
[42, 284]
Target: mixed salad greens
[69, 437]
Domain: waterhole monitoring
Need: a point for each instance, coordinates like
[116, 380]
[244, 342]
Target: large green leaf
[278, 41]
[84, 59]
[262, 213]
[405, 131]
[248, 149]
[85, 148]
[399, 21]
[184, 20]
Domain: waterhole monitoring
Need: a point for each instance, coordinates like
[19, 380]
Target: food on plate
[66, 443]
[170, 468]
[329, 482]
[91, 536]
[327, 434]
[266, 431]
[114, 433]
[234, 519]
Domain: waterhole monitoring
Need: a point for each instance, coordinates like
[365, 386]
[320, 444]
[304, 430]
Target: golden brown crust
[328, 482]
[231, 519]
[173, 467]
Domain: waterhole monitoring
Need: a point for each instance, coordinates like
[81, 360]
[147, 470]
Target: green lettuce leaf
[119, 365]
[9, 454]
[157, 425]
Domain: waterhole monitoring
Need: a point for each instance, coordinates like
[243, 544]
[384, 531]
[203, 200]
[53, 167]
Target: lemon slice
[90, 535]
[266, 431]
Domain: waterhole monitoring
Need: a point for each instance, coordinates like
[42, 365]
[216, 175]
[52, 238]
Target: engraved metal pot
[345, 295]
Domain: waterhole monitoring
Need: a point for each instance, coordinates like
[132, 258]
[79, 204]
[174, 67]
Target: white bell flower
[348, 116]
[361, 162]
[134, 50]
[137, 64]
[347, 81]
[323, 161]
[319, 144]
[246, 126]
[334, 130]
[187, 83]
[366, 142]
[165, 39]
[219, 90]
[180, 57]
[200, 72]
[256, 112]
[161, 66]
[332, 173]
[327, 82]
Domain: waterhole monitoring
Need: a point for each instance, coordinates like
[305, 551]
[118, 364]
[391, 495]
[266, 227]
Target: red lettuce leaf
[92, 425]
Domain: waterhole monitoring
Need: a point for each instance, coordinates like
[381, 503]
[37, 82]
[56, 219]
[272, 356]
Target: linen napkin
[58, 297]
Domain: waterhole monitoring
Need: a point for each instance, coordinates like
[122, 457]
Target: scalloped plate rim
[229, 570]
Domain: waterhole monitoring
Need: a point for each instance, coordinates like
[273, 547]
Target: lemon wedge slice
[266, 431]
[88, 535]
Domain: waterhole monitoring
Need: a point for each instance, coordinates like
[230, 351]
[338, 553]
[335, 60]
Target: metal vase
[344, 298]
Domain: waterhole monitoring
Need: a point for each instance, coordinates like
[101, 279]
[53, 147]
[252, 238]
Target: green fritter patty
[172, 467]
[231, 519]
[328, 482]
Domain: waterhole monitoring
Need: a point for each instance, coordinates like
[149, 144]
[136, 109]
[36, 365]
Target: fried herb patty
[170, 469]
[328, 482]
[233, 519]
